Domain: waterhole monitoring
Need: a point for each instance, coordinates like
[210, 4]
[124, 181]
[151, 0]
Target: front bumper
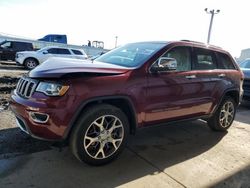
[54, 129]
[19, 60]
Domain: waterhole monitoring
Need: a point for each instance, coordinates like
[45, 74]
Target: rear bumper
[246, 95]
[246, 88]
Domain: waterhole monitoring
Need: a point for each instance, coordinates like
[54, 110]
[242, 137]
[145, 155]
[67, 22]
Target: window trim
[230, 58]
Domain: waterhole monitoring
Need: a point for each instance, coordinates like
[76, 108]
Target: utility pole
[116, 38]
[212, 12]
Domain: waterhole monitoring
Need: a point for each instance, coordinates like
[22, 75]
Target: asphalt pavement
[179, 155]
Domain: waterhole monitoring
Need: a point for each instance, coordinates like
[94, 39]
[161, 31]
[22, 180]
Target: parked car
[54, 38]
[8, 49]
[96, 105]
[245, 67]
[31, 59]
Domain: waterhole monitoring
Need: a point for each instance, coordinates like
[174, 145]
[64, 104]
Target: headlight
[19, 55]
[52, 89]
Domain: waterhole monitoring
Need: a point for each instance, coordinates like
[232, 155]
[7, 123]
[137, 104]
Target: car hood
[27, 52]
[58, 67]
[246, 73]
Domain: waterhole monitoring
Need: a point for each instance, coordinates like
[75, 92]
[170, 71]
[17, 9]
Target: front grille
[26, 87]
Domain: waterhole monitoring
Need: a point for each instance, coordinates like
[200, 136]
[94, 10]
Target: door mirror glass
[165, 64]
[45, 52]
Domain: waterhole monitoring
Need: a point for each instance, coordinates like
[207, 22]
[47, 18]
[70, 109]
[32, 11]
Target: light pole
[212, 12]
[116, 38]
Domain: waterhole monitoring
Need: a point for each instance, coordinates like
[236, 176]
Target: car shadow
[237, 179]
[148, 153]
[14, 142]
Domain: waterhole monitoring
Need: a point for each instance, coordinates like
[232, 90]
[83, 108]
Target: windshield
[131, 55]
[42, 49]
[245, 64]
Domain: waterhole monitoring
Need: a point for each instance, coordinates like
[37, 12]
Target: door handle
[191, 76]
[221, 75]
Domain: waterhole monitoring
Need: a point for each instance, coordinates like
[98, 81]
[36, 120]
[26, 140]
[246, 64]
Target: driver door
[174, 94]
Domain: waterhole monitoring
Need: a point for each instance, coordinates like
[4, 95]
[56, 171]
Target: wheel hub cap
[227, 114]
[103, 137]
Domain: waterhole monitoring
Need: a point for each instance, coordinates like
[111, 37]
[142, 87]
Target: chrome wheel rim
[103, 137]
[227, 114]
[31, 64]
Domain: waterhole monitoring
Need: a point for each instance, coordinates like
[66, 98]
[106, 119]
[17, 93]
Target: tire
[93, 140]
[30, 63]
[224, 116]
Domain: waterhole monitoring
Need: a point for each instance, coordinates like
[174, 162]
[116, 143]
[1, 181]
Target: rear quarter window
[77, 52]
[225, 62]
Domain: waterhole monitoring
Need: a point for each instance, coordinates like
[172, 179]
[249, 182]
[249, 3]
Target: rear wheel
[224, 116]
[100, 135]
[30, 63]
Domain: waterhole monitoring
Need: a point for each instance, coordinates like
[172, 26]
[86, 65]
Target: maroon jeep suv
[95, 104]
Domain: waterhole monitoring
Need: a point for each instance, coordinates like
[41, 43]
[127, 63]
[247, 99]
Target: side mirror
[45, 52]
[165, 64]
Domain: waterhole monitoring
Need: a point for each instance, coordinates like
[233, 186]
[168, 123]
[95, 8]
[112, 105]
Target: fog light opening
[39, 117]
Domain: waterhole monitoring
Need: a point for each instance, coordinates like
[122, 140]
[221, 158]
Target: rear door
[209, 75]
[63, 52]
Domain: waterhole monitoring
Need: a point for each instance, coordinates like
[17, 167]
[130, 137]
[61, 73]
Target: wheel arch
[233, 93]
[122, 102]
[30, 57]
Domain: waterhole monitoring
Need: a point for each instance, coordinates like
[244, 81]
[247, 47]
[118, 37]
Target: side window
[182, 56]
[204, 60]
[77, 52]
[225, 62]
[63, 51]
[52, 51]
[19, 45]
[7, 45]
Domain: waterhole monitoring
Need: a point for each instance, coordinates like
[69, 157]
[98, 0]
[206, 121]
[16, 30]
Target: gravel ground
[13, 141]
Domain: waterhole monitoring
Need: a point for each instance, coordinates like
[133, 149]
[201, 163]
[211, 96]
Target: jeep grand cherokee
[95, 105]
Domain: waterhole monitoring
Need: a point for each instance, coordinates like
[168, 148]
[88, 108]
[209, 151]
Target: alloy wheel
[31, 64]
[103, 137]
[227, 114]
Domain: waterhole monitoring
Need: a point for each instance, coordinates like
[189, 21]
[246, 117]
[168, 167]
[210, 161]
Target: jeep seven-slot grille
[25, 87]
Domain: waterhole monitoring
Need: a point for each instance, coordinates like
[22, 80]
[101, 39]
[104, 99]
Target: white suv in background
[30, 59]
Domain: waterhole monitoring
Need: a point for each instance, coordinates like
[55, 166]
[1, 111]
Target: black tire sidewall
[216, 119]
[26, 61]
[83, 125]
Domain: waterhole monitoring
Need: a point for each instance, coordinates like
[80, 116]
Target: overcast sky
[130, 20]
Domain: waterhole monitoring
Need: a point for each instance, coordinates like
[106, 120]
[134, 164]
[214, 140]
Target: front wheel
[224, 116]
[99, 135]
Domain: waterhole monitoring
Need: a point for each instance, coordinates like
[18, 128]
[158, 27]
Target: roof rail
[201, 43]
[215, 46]
[193, 41]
